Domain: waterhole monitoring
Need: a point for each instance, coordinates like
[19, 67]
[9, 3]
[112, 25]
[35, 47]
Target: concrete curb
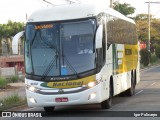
[20, 84]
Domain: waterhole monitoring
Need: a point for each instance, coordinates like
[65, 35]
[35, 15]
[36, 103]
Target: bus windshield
[60, 49]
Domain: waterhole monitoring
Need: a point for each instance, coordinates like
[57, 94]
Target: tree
[155, 30]
[10, 29]
[125, 8]
[145, 57]
[7, 31]
[142, 28]
[157, 51]
[142, 17]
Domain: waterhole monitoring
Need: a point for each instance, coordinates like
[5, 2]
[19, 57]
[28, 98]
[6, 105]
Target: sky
[16, 10]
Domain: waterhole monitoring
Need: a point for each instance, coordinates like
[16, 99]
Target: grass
[13, 79]
[3, 83]
[11, 101]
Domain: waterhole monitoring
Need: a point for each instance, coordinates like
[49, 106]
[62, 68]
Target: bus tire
[108, 103]
[49, 109]
[131, 90]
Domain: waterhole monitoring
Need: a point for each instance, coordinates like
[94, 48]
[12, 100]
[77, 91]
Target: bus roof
[72, 11]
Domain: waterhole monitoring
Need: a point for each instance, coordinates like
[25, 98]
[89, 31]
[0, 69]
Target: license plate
[61, 99]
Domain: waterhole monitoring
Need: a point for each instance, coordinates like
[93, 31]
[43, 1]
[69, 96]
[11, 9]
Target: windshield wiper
[48, 69]
[31, 43]
[68, 63]
[51, 64]
[55, 58]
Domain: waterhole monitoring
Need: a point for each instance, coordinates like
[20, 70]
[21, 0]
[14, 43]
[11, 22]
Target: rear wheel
[49, 109]
[131, 90]
[108, 103]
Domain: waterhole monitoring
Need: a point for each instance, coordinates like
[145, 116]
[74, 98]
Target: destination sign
[45, 26]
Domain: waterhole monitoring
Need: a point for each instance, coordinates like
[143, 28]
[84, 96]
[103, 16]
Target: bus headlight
[91, 84]
[32, 88]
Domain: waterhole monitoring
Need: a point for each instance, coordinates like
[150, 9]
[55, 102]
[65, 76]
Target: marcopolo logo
[61, 91]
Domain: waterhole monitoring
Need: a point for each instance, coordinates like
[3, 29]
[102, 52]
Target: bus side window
[101, 52]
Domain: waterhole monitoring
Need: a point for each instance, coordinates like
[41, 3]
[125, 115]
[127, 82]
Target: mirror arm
[15, 42]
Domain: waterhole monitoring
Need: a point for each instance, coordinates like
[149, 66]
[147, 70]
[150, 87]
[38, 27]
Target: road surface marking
[139, 92]
[153, 84]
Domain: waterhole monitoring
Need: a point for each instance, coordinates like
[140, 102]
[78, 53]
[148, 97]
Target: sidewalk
[18, 90]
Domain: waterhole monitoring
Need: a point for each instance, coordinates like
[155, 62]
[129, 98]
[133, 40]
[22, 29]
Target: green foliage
[142, 17]
[7, 31]
[155, 30]
[145, 57]
[157, 51]
[13, 79]
[10, 29]
[142, 28]
[125, 8]
[154, 59]
[11, 99]
[3, 82]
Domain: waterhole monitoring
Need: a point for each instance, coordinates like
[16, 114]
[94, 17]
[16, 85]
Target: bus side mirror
[99, 36]
[15, 42]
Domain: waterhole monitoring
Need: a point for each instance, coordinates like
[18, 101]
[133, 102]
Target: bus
[77, 54]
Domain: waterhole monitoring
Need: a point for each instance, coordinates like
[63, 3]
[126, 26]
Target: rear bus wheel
[131, 91]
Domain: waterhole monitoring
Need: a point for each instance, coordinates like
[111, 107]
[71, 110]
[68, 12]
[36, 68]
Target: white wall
[9, 71]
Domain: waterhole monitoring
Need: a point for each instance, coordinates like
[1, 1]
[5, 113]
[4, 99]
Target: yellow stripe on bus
[71, 83]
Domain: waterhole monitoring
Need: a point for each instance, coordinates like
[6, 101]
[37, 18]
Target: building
[12, 61]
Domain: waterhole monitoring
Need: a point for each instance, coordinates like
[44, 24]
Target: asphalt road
[146, 98]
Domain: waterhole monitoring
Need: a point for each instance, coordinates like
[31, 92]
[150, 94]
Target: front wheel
[108, 103]
[49, 109]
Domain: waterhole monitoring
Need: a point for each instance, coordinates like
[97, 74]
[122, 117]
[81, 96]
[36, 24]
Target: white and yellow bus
[79, 54]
